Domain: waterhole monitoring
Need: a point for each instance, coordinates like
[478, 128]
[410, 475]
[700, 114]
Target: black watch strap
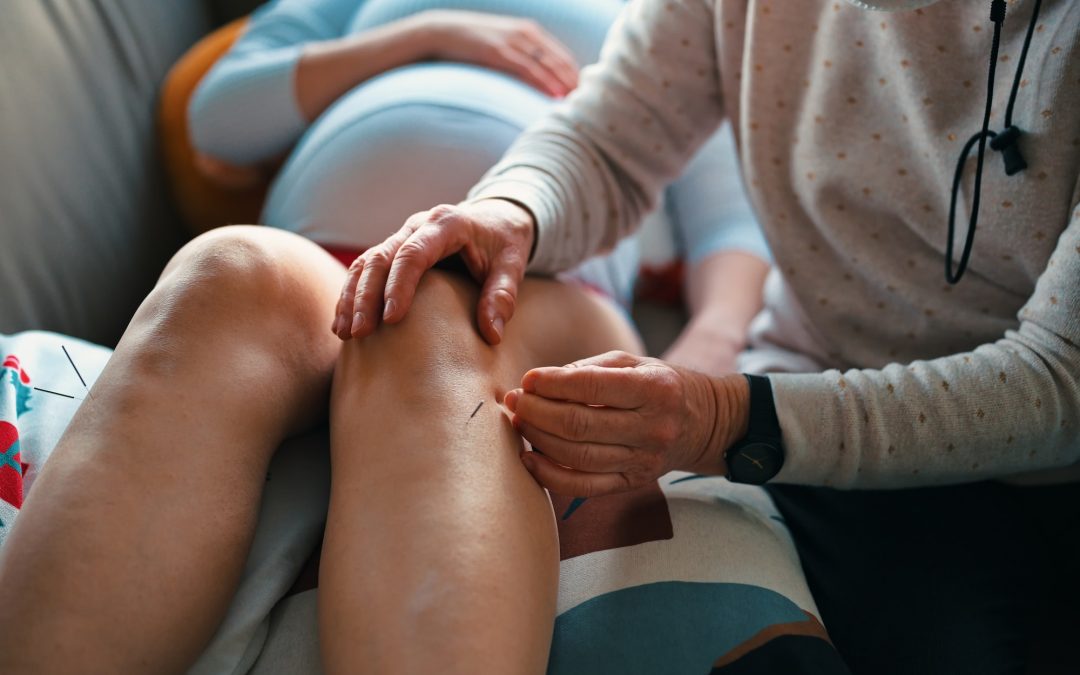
[759, 456]
[763, 420]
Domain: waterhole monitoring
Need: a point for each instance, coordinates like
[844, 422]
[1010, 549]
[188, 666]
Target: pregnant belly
[397, 144]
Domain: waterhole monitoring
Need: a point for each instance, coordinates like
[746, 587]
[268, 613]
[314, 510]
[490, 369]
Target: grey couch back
[86, 222]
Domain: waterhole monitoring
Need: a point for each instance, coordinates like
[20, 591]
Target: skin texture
[152, 492]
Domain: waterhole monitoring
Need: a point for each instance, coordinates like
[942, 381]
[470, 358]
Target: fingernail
[388, 311]
[498, 324]
[357, 322]
[528, 382]
[337, 324]
[510, 400]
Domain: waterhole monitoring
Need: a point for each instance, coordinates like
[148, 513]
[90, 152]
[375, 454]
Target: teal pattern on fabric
[22, 394]
[7, 458]
[666, 627]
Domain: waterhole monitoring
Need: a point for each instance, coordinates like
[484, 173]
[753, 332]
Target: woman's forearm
[723, 292]
[725, 289]
[257, 101]
[330, 68]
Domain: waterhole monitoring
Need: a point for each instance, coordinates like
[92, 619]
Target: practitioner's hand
[520, 47]
[616, 421]
[493, 236]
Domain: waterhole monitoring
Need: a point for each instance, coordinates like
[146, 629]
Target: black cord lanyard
[1004, 142]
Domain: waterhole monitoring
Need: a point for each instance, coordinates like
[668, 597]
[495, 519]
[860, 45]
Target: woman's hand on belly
[494, 238]
[520, 47]
[329, 68]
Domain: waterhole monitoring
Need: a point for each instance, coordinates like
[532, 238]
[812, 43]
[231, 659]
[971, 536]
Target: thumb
[499, 295]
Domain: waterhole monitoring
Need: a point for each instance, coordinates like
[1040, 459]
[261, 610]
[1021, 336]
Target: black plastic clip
[1006, 143]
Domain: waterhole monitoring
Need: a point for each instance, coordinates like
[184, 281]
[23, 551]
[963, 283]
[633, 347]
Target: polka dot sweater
[849, 124]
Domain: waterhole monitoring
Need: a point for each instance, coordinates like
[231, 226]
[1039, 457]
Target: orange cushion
[209, 193]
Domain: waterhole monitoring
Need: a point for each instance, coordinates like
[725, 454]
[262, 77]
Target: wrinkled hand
[520, 47]
[494, 238]
[615, 422]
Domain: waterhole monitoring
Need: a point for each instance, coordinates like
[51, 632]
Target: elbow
[1057, 415]
[204, 128]
[243, 112]
[215, 155]
[210, 121]
[1064, 427]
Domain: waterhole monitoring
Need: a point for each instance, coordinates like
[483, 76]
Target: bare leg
[131, 542]
[441, 552]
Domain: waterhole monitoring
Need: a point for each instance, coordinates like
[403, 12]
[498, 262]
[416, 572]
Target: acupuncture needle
[76, 369]
[56, 393]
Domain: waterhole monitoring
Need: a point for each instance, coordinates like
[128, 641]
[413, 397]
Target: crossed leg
[133, 537]
[440, 548]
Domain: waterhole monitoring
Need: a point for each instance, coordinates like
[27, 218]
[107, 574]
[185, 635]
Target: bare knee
[253, 272]
[442, 317]
[238, 267]
[245, 284]
[436, 345]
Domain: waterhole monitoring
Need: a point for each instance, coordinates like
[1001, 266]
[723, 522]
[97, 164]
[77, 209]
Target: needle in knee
[56, 393]
[76, 369]
[478, 405]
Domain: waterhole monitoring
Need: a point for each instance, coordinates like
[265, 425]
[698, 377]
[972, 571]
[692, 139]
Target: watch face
[754, 462]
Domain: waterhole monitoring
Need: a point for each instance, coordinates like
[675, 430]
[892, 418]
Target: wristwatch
[757, 458]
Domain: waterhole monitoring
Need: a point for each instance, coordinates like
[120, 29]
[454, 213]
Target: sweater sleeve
[1006, 408]
[591, 171]
[244, 111]
[709, 207]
